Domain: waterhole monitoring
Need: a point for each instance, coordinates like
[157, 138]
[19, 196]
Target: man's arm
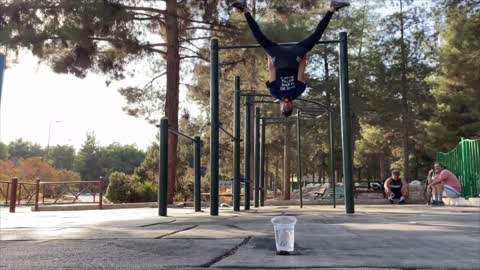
[386, 185]
[271, 69]
[437, 179]
[301, 70]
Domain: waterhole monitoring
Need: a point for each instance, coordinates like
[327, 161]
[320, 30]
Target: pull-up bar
[248, 46]
[215, 124]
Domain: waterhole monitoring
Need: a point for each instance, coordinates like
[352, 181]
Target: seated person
[396, 188]
[442, 182]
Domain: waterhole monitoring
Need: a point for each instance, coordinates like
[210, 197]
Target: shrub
[119, 188]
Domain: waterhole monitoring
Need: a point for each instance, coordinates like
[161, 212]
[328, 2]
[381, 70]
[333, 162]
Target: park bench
[327, 193]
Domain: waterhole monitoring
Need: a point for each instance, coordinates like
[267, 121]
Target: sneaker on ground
[402, 202]
[391, 201]
[337, 5]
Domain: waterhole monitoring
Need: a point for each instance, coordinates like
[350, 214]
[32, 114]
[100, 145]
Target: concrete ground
[375, 237]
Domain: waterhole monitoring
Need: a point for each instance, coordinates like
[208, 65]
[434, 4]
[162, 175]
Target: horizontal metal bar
[228, 133]
[248, 46]
[180, 133]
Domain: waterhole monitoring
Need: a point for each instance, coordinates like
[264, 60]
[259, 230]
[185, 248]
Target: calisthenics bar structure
[345, 117]
[259, 149]
[163, 167]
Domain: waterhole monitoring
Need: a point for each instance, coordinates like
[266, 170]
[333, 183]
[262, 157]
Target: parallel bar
[332, 158]
[197, 144]
[228, 133]
[180, 133]
[346, 124]
[299, 160]
[214, 127]
[246, 151]
[256, 151]
[262, 163]
[320, 105]
[163, 168]
[247, 46]
[236, 146]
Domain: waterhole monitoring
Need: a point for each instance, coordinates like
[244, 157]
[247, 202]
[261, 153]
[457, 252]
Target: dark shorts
[274, 89]
[397, 192]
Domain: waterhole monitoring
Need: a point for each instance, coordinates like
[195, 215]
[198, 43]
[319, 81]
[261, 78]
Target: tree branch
[152, 80]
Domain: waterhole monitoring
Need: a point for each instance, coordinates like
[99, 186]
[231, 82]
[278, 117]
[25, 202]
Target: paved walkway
[379, 237]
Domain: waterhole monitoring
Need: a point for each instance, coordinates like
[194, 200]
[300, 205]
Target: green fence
[464, 161]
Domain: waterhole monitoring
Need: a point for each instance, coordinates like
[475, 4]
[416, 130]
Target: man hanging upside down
[286, 64]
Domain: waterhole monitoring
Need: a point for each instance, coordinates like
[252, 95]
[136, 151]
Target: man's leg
[308, 43]
[437, 191]
[404, 196]
[265, 42]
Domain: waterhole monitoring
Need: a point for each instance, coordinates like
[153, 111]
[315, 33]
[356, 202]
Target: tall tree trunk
[286, 163]
[173, 79]
[404, 91]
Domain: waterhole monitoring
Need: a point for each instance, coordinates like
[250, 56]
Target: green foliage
[3, 151]
[62, 156]
[456, 86]
[22, 149]
[119, 188]
[123, 188]
[87, 162]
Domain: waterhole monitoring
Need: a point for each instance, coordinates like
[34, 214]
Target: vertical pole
[346, 124]
[163, 168]
[262, 162]
[13, 194]
[2, 68]
[214, 127]
[256, 151]
[236, 146]
[198, 181]
[246, 150]
[332, 158]
[100, 193]
[37, 192]
[299, 160]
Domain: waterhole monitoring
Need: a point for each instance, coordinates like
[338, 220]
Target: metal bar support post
[257, 157]
[163, 168]
[299, 160]
[346, 124]
[246, 151]
[214, 126]
[262, 162]
[236, 146]
[197, 144]
[332, 158]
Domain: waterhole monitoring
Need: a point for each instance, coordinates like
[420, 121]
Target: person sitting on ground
[442, 183]
[396, 188]
[286, 64]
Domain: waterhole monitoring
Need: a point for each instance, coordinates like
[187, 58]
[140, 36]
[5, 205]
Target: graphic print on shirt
[287, 83]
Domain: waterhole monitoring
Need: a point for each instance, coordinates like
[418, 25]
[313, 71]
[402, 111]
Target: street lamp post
[49, 135]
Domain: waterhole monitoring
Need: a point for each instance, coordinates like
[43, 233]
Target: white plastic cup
[284, 227]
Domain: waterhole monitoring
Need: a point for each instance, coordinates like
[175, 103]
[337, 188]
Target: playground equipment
[163, 181]
[215, 126]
